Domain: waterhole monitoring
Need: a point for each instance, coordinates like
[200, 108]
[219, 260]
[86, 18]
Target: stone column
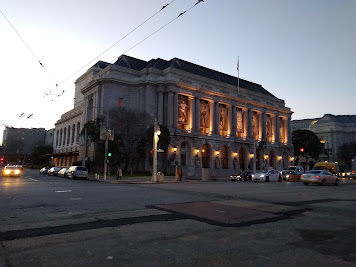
[192, 114]
[216, 117]
[197, 113]
[276, 129]
[263, 124]
[160, 108]
[249, 123]
[175, 110]
[289, 130]
[170, 110]
[232, 118]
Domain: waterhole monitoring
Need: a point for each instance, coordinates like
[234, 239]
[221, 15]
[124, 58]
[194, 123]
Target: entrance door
[205, 156]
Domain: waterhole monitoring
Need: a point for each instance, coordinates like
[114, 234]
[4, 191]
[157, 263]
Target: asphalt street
[53, 221]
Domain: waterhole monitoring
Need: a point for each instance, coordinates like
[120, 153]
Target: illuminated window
[204, 116]
[183, 112]
[120, 102]
[240, 122]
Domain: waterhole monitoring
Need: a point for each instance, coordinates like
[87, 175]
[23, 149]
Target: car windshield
[318, 168]
[12, 167]
[291, 168]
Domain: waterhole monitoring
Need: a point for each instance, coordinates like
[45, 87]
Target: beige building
[213, 123]
[332, 130]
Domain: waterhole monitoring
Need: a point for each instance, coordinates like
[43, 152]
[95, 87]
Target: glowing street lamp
[157, 132]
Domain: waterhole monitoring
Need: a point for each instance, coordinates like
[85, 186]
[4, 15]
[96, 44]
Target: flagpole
[238, 75]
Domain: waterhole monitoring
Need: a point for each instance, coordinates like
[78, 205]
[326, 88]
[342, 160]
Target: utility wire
[23, 41]
[118, 41]
[182, 13]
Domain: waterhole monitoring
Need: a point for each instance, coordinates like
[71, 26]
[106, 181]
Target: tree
[129, 127]
[146, 143]
[41, 154]
[308, 142]
[92, 129]
[346, 153]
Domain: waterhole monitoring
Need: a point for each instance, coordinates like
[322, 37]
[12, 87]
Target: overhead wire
[182, 13]
[23, 40]
[130, 32]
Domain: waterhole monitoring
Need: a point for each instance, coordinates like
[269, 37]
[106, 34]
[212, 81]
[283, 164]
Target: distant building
[18, 143]
[332, 130]
[213, 124]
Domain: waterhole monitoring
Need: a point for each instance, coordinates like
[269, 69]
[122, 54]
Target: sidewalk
[148, 179]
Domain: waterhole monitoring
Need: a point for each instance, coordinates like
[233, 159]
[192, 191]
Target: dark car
[243, 176]
[53, 171]
[12, 170]
[44, 170]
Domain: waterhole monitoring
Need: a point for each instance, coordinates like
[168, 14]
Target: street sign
[160, 150]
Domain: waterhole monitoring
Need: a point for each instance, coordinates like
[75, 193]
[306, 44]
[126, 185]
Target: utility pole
[156, 133]
[106, 147]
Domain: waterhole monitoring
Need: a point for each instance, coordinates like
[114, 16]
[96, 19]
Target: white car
[77, 172]
[267, 176]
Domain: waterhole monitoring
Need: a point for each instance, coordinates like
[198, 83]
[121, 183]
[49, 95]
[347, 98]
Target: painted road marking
[33, 180]
[63, 191]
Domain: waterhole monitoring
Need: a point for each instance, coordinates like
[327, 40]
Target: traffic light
[109, 154]
[302, 149]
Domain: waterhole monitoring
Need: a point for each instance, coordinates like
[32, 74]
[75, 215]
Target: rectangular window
[120, 102]
[204, 116]
[183, 112]
[240, 121]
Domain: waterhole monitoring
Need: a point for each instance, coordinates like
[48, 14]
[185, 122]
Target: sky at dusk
[303, 52]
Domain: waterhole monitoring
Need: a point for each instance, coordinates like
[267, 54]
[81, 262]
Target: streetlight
[156, 133]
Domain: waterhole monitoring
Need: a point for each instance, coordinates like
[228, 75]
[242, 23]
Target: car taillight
[316, 176]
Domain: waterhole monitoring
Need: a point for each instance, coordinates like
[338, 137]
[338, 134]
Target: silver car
[77, 172]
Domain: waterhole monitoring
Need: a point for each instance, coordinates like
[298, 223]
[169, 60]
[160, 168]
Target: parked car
[12, 170]
[63, 172]
[75, 172]
[321, 177]
[53, 171]
[243, 176]
[44, 170]
[267, 176]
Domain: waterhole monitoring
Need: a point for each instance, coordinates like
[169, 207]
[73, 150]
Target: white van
[79, 172]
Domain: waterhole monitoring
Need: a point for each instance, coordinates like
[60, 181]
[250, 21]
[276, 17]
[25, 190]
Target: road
[52, 221]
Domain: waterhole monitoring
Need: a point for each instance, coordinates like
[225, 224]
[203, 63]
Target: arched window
[90, 110]
[78, 131]
[68, 137]
[73, 133]
[224, 157]
[57, 138]
[205, 156]
[64, 136]
[60, 137]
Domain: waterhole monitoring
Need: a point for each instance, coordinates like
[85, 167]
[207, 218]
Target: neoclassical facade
[333, 131]
[213, 123]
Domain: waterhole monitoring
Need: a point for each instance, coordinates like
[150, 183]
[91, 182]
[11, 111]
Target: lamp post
[156, 133]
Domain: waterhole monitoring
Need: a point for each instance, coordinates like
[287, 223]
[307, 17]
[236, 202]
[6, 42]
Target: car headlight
[7, 172]
[287, 176]
[17, 171]
[262, 175]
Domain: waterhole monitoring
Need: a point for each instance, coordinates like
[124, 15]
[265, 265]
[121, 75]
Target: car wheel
[279, 179]
[336, 182]
[267, 179]
[323, 182]
[305, 183]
